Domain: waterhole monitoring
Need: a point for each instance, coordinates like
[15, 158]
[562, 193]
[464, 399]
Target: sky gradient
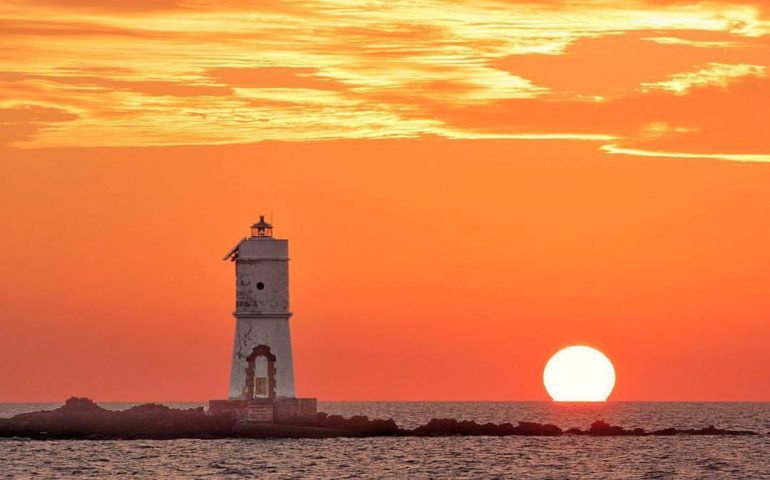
[467, 187]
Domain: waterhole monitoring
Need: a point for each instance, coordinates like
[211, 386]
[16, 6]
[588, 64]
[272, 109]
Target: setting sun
[579, 374]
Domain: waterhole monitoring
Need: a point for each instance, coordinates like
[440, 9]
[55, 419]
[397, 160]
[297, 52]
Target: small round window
[260, 285]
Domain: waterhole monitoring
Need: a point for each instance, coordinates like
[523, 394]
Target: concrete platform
[266, 410]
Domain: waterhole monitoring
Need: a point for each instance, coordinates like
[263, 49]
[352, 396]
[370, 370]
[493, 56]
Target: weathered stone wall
[224, 407]
[282, 410]
[260, 412]
[289, 410]
[262, 277]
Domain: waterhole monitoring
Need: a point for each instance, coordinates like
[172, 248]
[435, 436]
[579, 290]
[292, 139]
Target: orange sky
[467, 187]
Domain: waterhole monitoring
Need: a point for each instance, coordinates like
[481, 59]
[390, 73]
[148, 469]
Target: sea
[564, 457]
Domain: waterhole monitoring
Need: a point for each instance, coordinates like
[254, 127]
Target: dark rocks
[710, 430]
[441, 427]
[601, 428]
[75, 405]
[81, 418]
[360, 425]
[529, 428]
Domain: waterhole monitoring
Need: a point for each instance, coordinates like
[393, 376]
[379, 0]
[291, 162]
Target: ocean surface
[566, 457]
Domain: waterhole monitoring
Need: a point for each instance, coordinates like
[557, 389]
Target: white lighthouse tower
[262, 366]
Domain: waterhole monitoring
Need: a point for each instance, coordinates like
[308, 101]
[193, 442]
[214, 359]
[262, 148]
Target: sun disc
[579, 374]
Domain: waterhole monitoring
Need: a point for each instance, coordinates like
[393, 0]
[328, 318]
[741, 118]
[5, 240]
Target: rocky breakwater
[81, 418]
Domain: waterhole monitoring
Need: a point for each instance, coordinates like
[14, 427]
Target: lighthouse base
[265, 410]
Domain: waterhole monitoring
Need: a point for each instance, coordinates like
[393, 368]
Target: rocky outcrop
[361, 425]
[449, 426]
[81, 418]
[603, 429]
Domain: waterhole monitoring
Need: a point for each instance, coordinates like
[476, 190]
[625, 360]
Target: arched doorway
[260, 373]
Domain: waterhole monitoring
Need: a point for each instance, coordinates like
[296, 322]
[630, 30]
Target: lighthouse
[262, 366]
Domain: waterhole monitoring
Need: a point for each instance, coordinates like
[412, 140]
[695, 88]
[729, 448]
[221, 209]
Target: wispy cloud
[733, 157]
[713, 74]
[172, 72]
[692, 43]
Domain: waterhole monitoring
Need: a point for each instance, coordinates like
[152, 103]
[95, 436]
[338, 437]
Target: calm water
[449, 457]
